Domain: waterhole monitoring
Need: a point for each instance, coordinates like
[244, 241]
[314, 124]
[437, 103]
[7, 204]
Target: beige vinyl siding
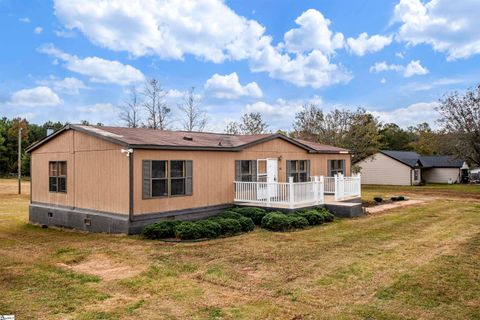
[380, 169]
[441, 175]
[97, 173]
[214, 173]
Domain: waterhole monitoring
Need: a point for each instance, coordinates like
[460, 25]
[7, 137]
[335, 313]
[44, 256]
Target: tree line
[458, 133]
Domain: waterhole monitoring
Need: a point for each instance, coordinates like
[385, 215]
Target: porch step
[345, 209]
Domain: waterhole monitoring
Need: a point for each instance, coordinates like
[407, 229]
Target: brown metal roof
[160, 139]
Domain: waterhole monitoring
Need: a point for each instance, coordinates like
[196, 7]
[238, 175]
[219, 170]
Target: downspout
[411, 172]
[130, 182]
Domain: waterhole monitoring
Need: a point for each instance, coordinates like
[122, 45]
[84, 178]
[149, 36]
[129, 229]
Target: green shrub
[298, 222]
[313, 216]
[327, 215]
[230, 215]
[378, 199]
[398, 198]
[256, 214]
[246, 223]
[209, 228]
[228, 226]
[161, 229]
[189, 231]
[276, 221]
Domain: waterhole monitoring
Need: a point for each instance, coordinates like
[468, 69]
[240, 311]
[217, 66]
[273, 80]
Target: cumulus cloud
[412, 68]
[209, 30]
[410, 115]
[313, 34]
[38, 30]
[69, 85]
[97, 69]
[365, 44]
[447, 26]
[24, 20]
[229, 87]
[106, 108]
[34, 97]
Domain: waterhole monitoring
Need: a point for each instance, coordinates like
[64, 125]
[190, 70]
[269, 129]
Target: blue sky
[67, 60]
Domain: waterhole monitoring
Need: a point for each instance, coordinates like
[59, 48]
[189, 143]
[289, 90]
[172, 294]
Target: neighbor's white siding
[380, 169]
[441, 175]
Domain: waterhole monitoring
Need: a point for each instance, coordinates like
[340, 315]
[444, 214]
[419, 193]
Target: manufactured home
[389, 167]
[114, 179]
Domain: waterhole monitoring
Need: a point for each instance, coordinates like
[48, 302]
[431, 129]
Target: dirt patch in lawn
[393, 205]
[105, 268]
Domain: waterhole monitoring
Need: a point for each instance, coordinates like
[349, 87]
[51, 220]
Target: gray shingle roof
[411, 159]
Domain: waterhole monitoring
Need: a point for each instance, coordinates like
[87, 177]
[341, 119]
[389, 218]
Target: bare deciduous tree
[461, 118]
[130, 113]
[253, 123]
[157, 110]
[194, 118]
[232, 128]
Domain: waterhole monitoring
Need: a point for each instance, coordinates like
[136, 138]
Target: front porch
[290, 195]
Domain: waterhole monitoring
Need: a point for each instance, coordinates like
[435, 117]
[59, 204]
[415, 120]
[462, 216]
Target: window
[159, 179]
[57, 176]
[163, 178]
[246, 170]
[416, 174]
[299, 170]
[336, 167]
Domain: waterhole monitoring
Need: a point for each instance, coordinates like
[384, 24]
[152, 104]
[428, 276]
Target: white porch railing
[280, 193]
[347, 186]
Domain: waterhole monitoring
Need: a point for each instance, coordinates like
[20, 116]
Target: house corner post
[130, 186]
[322, 189]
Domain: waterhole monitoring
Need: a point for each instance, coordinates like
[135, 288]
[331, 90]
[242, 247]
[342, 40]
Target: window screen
[57, 176]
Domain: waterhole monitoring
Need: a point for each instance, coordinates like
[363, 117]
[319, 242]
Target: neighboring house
[114, 179]
[409, 168]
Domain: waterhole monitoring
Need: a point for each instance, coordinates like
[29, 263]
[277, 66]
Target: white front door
[267, 171]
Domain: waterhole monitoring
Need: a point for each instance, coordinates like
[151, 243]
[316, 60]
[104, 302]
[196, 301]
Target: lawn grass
[407, 263]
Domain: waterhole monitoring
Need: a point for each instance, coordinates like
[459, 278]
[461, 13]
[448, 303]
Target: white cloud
[365, 44]
[209, 30]
[411, 115]
[314, 34]
[413, 68]
[97, 69]
[38, 30]
[399, 55]
[106, 108]
[383, 66]
[68, 85]
[64, 33]
[229, 87]
[281, 113]
[448, 26]
[24, 20]
[383, 81]
[38, 96]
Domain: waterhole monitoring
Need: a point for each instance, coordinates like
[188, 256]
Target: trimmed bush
[229, 226]
[230, 215]
[161, 229]
[276, 221]
[298, 222]
[189, 231]
[327, 215]
[378, 199]
[209, 228]
[313, 216]
[256, 214]
[246, 223]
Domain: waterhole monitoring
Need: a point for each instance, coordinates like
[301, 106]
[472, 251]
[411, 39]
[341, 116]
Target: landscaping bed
[236, 221]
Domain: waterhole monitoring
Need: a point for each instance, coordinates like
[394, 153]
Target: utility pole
[20, 161]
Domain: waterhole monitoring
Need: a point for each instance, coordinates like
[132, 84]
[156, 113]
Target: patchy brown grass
[406, 263]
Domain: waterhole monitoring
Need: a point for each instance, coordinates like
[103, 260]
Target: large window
[163, 178]
[57, 176]
[335, 167]
[298, 169]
